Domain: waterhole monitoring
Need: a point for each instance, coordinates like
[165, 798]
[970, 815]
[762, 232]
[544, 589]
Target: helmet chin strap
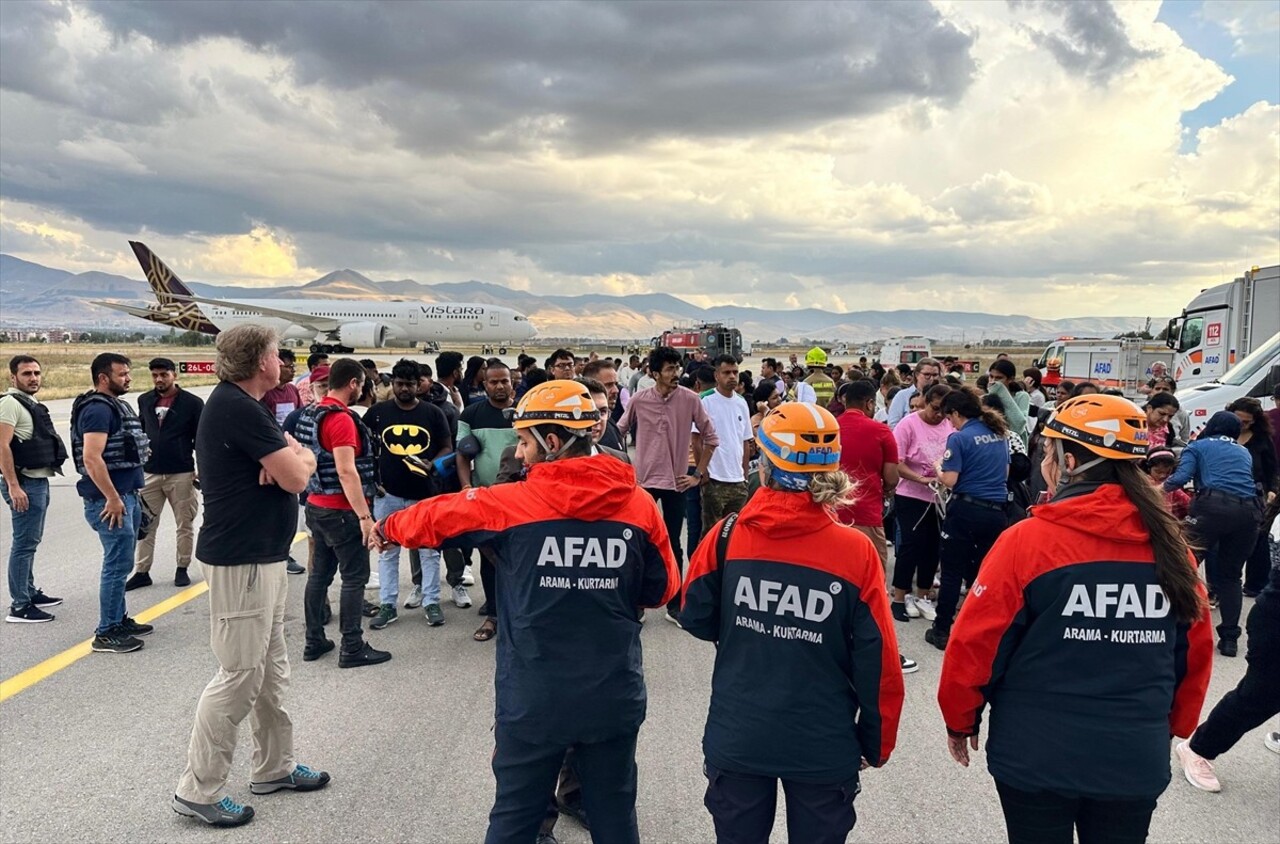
[552, 455]
[1069, 475]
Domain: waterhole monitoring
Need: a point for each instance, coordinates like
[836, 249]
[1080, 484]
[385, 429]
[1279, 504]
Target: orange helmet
[1110, 426]
[562, 402]
[799, 439]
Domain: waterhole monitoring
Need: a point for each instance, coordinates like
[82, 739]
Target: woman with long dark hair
[1161, 410]
[975, 467]
[1088, 634]
[1225, 514]
[1258, 439]
[922, 440]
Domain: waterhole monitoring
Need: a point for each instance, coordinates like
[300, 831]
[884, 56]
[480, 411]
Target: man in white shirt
[724, 489]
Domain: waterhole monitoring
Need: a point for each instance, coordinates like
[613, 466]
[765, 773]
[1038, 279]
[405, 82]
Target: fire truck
[714, 338]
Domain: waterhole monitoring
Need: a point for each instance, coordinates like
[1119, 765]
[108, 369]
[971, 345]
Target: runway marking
[26, 679]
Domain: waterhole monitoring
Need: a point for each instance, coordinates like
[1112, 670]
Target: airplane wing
[129, 309]
[315, 323]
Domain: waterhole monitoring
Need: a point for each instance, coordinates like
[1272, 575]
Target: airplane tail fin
[164, 281]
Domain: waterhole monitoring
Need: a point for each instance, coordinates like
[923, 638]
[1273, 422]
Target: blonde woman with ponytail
[796, 604]
[1087, 632]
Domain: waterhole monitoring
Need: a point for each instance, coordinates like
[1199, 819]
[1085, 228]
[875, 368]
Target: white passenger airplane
[333, 326]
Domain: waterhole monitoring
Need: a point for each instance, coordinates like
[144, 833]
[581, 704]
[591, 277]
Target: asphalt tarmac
[92, 751]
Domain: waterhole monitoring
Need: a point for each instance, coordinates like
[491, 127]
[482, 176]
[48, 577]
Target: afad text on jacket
[580, 549]
[807, 679]
[1067, 634]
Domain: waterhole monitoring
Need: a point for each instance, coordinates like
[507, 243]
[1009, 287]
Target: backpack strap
[722, 539]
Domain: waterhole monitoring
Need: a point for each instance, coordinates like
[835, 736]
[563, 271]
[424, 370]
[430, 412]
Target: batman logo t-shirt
[422, 432]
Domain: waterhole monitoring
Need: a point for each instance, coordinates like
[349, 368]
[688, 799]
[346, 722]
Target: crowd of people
[820, 510]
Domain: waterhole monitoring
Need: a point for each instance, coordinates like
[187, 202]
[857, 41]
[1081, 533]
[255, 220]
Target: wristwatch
[697, 474]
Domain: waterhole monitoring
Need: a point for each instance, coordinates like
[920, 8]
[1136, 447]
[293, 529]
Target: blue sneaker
[226, 812]
[302, 779]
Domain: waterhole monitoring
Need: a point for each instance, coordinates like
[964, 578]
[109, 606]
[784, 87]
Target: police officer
[975, 468]
[31, 452]
[1088, 633]
[582, 548]
[796, 603]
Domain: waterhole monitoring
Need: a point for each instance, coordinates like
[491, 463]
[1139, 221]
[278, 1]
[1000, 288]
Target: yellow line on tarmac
[54, 664]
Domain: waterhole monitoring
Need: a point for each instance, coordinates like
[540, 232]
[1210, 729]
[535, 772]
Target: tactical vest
[45, 449]
[325, 480]
[127, 448]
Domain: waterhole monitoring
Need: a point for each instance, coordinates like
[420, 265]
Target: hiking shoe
[468, 579]
[302, 779]
[1228, 647]
[181, 578]
[435, 615]
[44, 601]
[133, 628]
[415, 598]
[910, 603]
[137, 581]
[370, 609]
[909, 666]
[460, 597]
[937, 639]
[925, 607]
[226, 812]
[367, 655]
[1272, 741]
[292, 566]
[313, 652]
[899, 610]
[386, 615]
[115, 642]
[31, 614]
[1197, 769]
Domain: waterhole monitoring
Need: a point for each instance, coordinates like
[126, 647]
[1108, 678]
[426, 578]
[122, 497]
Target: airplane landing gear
[326, 349]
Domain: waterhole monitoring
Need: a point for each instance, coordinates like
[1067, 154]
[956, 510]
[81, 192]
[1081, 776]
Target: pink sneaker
[1197, 769]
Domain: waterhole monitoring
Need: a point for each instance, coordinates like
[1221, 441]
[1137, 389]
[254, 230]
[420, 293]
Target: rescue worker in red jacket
[582, 548]
[807, 685]
[1088, 633]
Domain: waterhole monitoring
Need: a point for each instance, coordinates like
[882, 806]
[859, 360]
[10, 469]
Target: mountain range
[32, 295]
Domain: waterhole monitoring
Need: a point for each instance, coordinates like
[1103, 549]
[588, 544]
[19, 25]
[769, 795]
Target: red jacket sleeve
[986, 629]
[877, 670]
[1193, 662]
[432, 523]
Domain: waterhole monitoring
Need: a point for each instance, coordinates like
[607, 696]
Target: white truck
[911, 349]
[1223, 324]
[1125, 363]
[1256, 376]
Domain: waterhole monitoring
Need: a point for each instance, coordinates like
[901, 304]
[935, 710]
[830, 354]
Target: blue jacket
[1218, 463]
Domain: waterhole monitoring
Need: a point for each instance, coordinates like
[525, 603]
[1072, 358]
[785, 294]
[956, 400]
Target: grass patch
[65, 367]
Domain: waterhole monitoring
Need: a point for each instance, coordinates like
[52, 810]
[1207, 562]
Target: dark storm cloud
[1093, 43]
[499, 74]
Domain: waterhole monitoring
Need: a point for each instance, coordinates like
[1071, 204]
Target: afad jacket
[580, 549]
[807, 680]
[1068, 636]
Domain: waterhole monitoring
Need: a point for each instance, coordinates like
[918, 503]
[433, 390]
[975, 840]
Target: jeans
[968, 532]
[118, 545]
[526, 776]
[1226, 527]
[1255, 699]
[28, 530]
[743, 807]
[1043, 817]
[339, 548]
[673, 505]
[389, 560]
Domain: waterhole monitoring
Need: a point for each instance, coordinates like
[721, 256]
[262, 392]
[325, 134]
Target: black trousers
[917, 557]
[743, 807]
[1043, 817]
[1226, 528]
[339, 548]
[526, 774]
[489, 581]
[674, 511]
[1258, 567]
[1254, 700]
[968, 532]
[456, 561]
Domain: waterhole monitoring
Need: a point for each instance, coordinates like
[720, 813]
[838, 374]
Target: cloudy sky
[1055, 158]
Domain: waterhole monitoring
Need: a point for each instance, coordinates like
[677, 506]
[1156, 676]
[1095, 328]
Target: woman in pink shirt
[922, 439]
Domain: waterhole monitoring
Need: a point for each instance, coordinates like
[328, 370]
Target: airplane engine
[363, 335]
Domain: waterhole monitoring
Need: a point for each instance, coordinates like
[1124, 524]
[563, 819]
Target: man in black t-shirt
[250, 472]
[407, 434]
